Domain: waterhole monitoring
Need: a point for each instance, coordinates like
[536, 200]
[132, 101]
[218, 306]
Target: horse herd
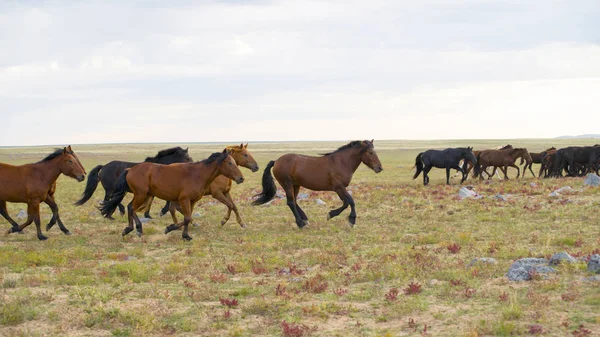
[173, 176]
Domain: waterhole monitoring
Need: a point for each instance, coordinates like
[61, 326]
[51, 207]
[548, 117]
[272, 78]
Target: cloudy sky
[248, 70]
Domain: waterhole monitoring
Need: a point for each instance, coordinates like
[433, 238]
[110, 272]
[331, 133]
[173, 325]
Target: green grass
[327, 276]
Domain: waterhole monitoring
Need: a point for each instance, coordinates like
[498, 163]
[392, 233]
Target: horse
[185, 183]
[448, 159]
[536, 158]
[501, 159]
[331, 172]
[107, 174]
[36, 182]
[220, 187]
[575, 159]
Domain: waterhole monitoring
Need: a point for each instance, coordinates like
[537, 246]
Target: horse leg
[186, 208]
[504, 170]
[223, 199]
[462, 170]
[165, 209]
[173, 211]
[33, 215]
[55, 216]
[121, 209]
[288, 187]
[107, 195]
[426, 170]
[4, 213]
[300, 210]
[447, 175]
[342, 193]
[348, 201]
[518, 170]
[129, 227]
[238, 217]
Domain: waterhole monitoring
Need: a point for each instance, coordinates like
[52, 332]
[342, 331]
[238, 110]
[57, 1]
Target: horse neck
[213, 171]
[515, 154]
[350, 158]
[48, 170]
[167, 160]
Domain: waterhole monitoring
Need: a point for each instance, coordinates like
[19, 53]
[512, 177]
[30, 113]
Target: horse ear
[246, 146]
[187, 148]
[226, 151]
[241, 145]
[372, 140]
[69, 148]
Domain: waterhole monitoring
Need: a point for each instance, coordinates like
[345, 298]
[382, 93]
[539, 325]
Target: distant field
[324, 280]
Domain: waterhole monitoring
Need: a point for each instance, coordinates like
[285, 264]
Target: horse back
[315, 173]
[168, 182]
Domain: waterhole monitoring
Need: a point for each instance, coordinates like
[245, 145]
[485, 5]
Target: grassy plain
[272, 279]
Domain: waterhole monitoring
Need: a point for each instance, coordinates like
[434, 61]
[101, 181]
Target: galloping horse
[108, 174]
[448, 159]
[501, 159]
[185, 183]
[331, 172]
[220, 187]
[34, 183]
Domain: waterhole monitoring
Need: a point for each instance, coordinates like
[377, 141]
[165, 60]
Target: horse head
[369, 156]
[242, 157]
[70, 165]
[470, 156]
[228, 167]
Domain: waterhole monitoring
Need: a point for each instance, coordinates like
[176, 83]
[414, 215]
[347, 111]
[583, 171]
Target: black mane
[356, 143]
[220, 156]
[57, 152]
[164, 153]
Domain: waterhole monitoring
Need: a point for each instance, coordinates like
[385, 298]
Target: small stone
[196, 215]
[279, 195]
[302, 196]
[595, 278]
[22, 214]
[533, 185]
[500, 197]
[145, 220]
[320, 202]
[482, 260]
[592, 180]
[468, 192]
[594, 264]
[562, 257]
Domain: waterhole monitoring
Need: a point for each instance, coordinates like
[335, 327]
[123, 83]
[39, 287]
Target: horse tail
[418, 165]
[90, 187]
[268, 185]
[121, 188]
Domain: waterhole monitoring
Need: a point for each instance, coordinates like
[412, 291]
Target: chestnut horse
[500, 158]
[185, 183]
[107, 174]
[331, 172]
[220, 187]
[35, 183]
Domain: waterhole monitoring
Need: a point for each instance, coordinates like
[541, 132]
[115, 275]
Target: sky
[80, 72]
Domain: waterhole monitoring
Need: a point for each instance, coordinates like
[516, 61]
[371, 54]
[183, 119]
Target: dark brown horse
[331, 172]
[35, 183]
[536, 158]
[501, 159]
[220, 187]
[107, 174]
[185, 183]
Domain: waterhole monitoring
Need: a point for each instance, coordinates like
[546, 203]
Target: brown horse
[500, 158]
[331, 172]
[536, 158]
[476, 153]
[220, 187]
[185, 183]
[34, 183]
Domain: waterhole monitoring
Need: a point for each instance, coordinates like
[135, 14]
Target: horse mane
[57, 152]
[506, 147]
[550, 149]
[217, 156]
[355, 143]
[164, 153]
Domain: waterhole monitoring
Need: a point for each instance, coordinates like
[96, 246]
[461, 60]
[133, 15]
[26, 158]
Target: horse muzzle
[378, 169]
[254, 169]
[239, 180]
[80, 178]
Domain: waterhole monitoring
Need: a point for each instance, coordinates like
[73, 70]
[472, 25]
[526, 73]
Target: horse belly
[12, 187]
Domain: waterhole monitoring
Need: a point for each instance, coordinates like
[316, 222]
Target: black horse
[108, 174]
[576, 160]
[448, 159]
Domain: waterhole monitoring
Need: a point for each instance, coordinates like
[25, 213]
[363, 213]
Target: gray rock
[280, 194]
[22, 214]
[595, 278]
[320, 202]
[562, 190]
[521, 269]
[302, 196]
[145, 220]
[196, 215]
[500, 197]
[468, 192]
[533, 185]
[482, 260]
[562, 257]
[594, 264]
[592, 180]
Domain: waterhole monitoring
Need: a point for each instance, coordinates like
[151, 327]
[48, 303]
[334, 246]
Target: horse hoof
[187, 238]
[351, 222]
[42, 238]
[224, 221]
[110, 218]
[243, 225]
[67, 233]
[139, 234]
[302, 224]
[127, 231]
